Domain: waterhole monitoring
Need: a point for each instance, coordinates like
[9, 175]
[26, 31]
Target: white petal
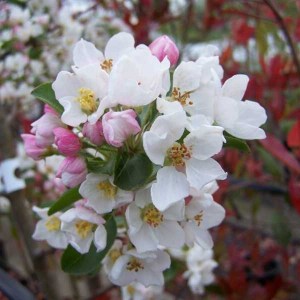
[235, 87]
[161, 262]
[226, 112]
[170, 234]
[171, 187]
[143, 197]
[205, 142]
[144, 239]
[175, 212]
[66, 84]
[167, 107]
[203, 239]
[85, 53]
[196, 122]
[252, 113]
[82, 245]
[58, 240]
[118, 45]
[201, 172]
[69, 215]
[247, 132]
[148, 277]
[100, 237]
[41, 212]
[133, 217]
[72, 115]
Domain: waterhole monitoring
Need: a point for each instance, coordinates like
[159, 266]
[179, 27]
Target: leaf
[82, 264]
[132, 172]
[69, 197]
[280, 228]
[276, 148]
[45, 93]
[97, 165]
[261, 32]
[236, 143]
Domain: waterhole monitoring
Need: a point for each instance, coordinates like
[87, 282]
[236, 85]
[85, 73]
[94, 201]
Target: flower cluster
[139, 149]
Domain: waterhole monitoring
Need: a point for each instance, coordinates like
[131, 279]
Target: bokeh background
[257, 245]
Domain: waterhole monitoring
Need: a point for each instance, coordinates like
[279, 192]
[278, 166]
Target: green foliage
[69, 197]
[83, 264]
[281, 229]
[132, 172]
[45, 93]
[261, 34]
[236, 143]
[98, 165]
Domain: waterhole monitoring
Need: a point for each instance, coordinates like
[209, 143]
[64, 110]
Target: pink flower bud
[118, 126]
[94, 132]
[72, 171]
[68, 143]
[49, 110]
[43, 129]
[164, 46]
[31, 149]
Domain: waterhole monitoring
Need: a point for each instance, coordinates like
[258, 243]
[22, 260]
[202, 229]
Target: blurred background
[257, 245]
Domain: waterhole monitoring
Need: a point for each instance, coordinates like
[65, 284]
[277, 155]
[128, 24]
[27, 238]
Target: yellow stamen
[130, 290]
[83, 228]
[183, 99]
[152, 216]
[87, 100]
[199, 218]
[178, 154]
[108, 189]
[106, 65]
[53, 224]
[134, 265]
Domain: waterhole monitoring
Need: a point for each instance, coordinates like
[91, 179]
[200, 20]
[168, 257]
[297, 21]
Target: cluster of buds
[139, 148]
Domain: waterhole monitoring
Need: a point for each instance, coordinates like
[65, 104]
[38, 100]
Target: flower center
[130, 290]
[53, 224]
[87, 100]
[106, 65]
[114, 255]
[183, 99]
[108, 189]
[134, 265]
[199, 218]
[152, 216]
[83, 228]
[178, 154]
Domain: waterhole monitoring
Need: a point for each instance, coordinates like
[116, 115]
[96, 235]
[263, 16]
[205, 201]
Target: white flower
[200, 266]
[148, 227]
[102, 195]
[84, 226]
[145, 268]
[85, 53]
[138, 78]
[240, 118]
[191, 156]
[81, 94]
[49, 229]
[136, 291]
[202, 213]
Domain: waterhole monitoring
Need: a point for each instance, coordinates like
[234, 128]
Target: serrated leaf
[69, 197]
[132, 172]
[75, 263]
[236, 143]
[45, 93]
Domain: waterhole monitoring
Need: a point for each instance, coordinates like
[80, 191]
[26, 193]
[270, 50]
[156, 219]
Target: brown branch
[285, 32]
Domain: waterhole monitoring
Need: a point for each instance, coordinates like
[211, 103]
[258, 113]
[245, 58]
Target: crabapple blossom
[31, 148]
[49, 229]
[84, 226]
[118, 126]
[67, 142]
[94, 132]
[163, 47]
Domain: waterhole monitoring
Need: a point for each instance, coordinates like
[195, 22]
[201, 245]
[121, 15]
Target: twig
[285, 32]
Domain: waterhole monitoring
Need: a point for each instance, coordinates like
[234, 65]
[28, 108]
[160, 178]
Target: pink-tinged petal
[94, 132]
[171, 187]
[164, 47]
[68, 143]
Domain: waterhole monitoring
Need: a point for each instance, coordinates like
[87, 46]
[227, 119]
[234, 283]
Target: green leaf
[236, 143]
[97, 165]
[69, 197]
[261, 33]
[82, 264]
[132, 172]
[281, 229]
[45, 93]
